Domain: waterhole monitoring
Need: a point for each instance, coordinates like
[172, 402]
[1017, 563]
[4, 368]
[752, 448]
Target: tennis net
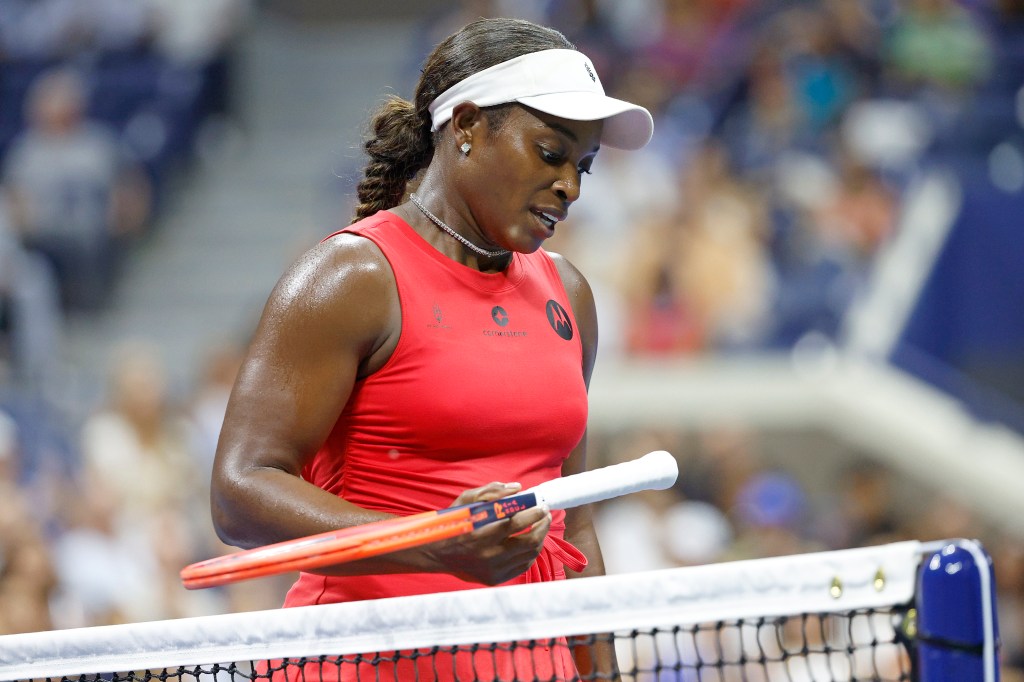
[904, 611]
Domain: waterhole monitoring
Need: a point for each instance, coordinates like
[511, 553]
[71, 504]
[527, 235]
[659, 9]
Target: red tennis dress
[485, 384]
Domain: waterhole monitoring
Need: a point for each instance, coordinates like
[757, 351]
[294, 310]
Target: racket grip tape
[654, 471]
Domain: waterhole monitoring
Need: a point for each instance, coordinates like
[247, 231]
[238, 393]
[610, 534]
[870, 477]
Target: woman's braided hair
[401, 143]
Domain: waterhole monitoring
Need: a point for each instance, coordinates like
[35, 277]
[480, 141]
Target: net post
[957, 631]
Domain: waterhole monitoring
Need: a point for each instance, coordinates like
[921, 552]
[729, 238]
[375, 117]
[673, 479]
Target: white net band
[829, 582]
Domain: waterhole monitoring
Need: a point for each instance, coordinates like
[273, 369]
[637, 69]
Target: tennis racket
[654, 471]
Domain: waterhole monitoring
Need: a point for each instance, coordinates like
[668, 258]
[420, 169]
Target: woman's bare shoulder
[342, 269]
[343, 285]
[575, 283]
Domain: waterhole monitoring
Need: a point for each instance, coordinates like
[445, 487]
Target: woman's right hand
[497, 552]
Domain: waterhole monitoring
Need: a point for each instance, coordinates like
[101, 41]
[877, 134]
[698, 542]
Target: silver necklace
[468, 244]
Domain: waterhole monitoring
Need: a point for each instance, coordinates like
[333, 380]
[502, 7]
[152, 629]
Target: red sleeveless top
[485, 384]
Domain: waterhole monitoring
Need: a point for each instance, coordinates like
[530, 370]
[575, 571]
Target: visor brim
[626, 125]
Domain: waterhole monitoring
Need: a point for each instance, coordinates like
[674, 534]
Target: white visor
[562, 83]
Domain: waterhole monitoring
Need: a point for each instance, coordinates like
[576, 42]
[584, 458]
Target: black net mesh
[869, 645]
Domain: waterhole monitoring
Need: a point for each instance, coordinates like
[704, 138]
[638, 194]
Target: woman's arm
[327, 317]
[333, 318]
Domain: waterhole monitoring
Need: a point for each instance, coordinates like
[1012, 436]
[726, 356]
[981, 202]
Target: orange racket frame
[351, 544]
[655, 470]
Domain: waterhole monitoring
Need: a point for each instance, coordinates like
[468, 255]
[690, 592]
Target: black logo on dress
[499, 316]
[590, 72]
[439, 316]
[559, 320]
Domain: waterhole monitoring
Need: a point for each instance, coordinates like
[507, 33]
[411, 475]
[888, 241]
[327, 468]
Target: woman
[432, 346]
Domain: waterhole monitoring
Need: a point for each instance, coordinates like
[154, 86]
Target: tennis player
[433, 345]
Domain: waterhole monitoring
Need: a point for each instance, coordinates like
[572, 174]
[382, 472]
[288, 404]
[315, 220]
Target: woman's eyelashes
[551, 157]
[557, 158]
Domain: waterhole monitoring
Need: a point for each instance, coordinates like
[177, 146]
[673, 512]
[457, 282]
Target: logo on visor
[590, 72]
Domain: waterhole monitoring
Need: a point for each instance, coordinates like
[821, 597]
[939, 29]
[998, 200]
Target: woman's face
[524, 176]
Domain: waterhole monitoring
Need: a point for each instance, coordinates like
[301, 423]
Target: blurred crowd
[104, 107]
[103, 104]
[787, 135]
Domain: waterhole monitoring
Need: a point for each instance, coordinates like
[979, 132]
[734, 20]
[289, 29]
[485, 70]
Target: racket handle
[654, 471]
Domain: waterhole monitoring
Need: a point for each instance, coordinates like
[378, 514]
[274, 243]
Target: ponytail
[401, 144]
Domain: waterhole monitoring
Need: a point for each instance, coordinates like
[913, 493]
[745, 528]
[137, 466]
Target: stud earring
[465, 148]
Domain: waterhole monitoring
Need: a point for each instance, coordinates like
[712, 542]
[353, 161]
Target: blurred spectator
[632, 532]
[725, 272]
[632, 527]
[725, 458]
[196, 32]
[860, 214]
[117, 564]
[824, 74]
[938, 43]
[40, 29]
[631, 24]
[770, 512]
[702, 277]
[625, 190]
[30, 313]
[694, 37]
[817, 270]
[586, 24]
[73, 197]
[887, 135]
[138, 442]
[209, 401]
[114, 26]
[27, 580]
[138, 452]
[105, 560]
[769, 121]
[945, 517]
[696, 533]
[772, 498]
[856, 30]
[44, 30]
[660, 320]
[199, 36]
[860, 512]
[454, 15]
[831, 216]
